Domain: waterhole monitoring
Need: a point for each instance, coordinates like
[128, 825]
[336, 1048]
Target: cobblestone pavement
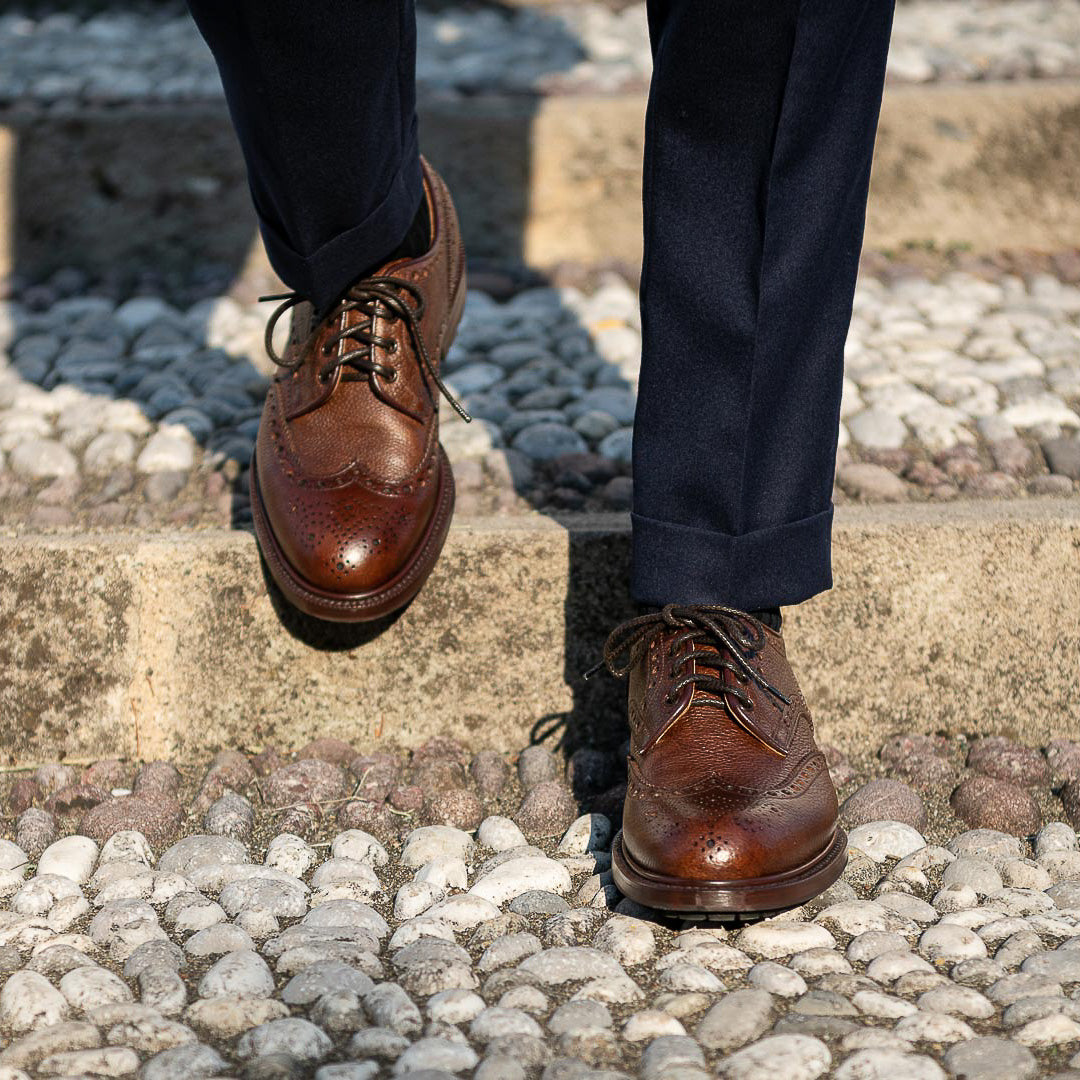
[141, 412]
[449, 914]
[117, 56]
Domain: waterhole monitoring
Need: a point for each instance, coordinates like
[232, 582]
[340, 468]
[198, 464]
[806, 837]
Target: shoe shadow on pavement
[318, 633]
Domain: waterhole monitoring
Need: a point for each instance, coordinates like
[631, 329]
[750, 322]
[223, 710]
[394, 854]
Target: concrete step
[961, 618]
[544, 180]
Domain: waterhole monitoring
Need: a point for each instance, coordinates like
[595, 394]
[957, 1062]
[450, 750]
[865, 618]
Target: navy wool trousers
[759, 134]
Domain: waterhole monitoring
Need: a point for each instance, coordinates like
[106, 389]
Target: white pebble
[651, 1024]
[85, 988]
[522, 875]
[772, 939]
[881, 840]
[500, 834]
[793, 1057]
[73, 857]
[28, 1002]
[590, 832]
[241, 974]
[444, 872]
[361, 846]
[291, 855]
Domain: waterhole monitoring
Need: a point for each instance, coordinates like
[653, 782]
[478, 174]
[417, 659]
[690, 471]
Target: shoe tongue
[303, 320]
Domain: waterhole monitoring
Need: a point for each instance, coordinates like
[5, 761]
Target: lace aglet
[444, 390]
[592, 672]
[275, 296]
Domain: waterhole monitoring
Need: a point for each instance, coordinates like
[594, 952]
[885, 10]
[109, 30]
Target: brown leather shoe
[351, 492]
[729, 805]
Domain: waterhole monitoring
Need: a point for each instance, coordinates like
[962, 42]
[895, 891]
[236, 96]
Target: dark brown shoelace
[379, 296]
[733, 635]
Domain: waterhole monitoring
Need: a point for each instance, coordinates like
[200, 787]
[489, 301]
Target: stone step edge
[960, 617]
[869, 516]
[971, 167]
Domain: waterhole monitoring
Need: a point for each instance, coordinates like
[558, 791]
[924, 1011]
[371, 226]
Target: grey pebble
[339, 1012]
[507, 950]
[390, 1007]
[193, 852]
[232, 816]
[577, 1017]
[499, 1067]
[976, 872]
[991, 1058]
[776, 979]
[219, 939]
[1011, 988]
[556, 966]
[294, 1036]
[310, 985]
[988, 843]
[497, 1021]
[183, 1062]
[538, 902]
[348, 1070]
[546, 441]
[240, 974]
[378, 1042]
[436, 1054]
[735, 1020]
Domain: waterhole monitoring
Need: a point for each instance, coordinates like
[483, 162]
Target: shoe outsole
[728, 900]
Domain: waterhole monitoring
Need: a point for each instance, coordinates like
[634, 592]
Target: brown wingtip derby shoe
[351, 493]
[730, 808]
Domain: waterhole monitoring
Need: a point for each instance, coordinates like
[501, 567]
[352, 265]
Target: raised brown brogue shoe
[351, 492]
[730, 807]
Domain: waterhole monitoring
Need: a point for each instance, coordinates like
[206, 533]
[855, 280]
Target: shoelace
[727, 629]
[374, 296]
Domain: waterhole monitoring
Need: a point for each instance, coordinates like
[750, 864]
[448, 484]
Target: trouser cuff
[679, 564]
[326, 273]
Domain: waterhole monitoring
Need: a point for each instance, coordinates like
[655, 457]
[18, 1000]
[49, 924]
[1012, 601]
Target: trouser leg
[759, 135]
[322, 95]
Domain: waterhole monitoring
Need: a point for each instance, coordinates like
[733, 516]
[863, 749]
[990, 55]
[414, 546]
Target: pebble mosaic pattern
[117, 56]
[143, 412]
[351, 915]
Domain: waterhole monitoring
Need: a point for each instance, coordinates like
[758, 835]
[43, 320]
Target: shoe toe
[754, 839]
[345, 544]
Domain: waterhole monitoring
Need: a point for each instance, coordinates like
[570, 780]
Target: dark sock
[769, 616]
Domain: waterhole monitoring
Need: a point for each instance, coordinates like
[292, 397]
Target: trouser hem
[326, 273]
[681, 564]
